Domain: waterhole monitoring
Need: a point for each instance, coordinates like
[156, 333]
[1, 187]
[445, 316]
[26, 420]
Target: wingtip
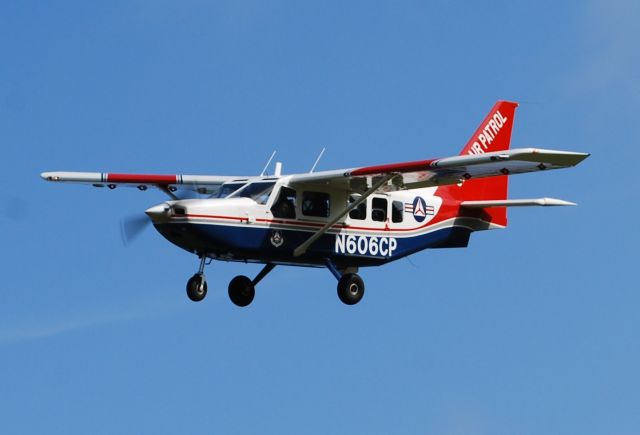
[557, 202]
[580, 157]
[51, 176]
[585, 155]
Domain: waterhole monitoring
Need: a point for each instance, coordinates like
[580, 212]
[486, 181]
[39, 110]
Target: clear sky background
[531, 330]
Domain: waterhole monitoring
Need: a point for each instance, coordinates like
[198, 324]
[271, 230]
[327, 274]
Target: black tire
[241, 291]
[350, 288]
[194, 291]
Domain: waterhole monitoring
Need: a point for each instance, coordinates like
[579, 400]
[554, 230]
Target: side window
[397, 211]
[315, 204]
[379, 209]
[285, 206]
[360, 212]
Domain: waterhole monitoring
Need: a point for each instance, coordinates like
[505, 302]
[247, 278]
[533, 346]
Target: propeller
[132, 226]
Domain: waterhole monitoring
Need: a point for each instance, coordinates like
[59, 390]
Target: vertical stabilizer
[493, 134]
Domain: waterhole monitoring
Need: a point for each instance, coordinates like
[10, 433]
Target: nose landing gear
[197, 287]
[197, 284]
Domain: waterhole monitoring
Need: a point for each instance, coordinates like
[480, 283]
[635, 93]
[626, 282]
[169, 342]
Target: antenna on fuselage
[273, 154]
[317, 160]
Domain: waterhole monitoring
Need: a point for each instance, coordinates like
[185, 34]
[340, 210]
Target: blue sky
[530, 330]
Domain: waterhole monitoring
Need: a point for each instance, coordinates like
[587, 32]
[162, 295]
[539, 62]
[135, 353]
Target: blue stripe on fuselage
[255, 243]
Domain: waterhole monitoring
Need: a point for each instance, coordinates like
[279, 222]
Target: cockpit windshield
[227, 189]
[258, 191]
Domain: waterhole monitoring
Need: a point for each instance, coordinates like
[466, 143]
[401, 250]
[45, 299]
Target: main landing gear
[350, 288]
[350, 285]
[242, 289]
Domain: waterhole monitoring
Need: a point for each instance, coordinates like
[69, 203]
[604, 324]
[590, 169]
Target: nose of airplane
[158, 212]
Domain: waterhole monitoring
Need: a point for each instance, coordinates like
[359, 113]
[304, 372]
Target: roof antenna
[317, 160]
[273, 154]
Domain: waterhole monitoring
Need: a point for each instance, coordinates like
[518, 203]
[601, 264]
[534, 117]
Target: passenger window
[397, 211]
[379, 209]
[315, 204]
[285, 206]
[360, 212]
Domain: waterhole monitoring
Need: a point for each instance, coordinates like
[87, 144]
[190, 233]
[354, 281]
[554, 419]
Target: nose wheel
[197, 284]
[197, 287]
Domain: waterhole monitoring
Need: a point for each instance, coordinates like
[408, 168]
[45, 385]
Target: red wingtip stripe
[142, 178]
[419, 165]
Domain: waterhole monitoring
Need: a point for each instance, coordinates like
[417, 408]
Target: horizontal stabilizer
[545, 202]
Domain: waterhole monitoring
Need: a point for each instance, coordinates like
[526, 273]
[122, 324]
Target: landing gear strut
[350, 285]
[197, 284]
[242, 289]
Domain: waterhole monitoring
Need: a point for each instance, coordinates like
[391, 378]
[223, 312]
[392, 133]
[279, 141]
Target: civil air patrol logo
[419, 209]
[276, 239]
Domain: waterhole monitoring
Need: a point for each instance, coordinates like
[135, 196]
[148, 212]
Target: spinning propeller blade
[132, 226]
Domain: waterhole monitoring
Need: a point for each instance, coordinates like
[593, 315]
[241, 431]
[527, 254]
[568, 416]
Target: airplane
[344, 219]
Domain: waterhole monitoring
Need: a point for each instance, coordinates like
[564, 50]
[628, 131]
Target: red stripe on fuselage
[433, 221]
[142, 178]
[209, 216]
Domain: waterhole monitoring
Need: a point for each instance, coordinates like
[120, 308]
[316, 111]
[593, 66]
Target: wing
[449, 170]
[202, 184]
[437, 172]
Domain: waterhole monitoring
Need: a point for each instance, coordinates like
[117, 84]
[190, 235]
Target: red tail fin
[494, 134]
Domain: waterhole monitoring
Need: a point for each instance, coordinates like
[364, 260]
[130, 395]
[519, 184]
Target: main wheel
[241, 291]
[197, 287]
[350, 288]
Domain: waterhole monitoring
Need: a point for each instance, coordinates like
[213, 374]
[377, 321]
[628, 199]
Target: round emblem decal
[419, 209]
[276, 239]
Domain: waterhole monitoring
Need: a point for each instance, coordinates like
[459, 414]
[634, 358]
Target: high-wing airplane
[342, 219]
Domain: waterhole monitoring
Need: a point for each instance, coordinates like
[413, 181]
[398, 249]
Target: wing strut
[304, 246]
